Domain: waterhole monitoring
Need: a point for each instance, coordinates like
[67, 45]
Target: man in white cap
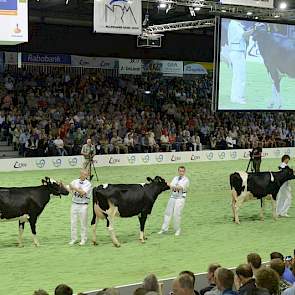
[179, 186]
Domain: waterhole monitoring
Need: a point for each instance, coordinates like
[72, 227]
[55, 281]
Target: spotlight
[197, 8]
[249, 13]
[223, 10]
[162, 5]
[277, 16]
[192, 11]
[283, 5]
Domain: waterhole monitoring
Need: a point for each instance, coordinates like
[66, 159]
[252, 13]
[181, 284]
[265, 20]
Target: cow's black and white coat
[247, 186]
[125, 200]
[25, 204]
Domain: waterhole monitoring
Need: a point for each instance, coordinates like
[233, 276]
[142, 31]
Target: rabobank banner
[39, 58]
[256, 3]
[118, 17]
[94, 62]
[49, 163]
[13, 22]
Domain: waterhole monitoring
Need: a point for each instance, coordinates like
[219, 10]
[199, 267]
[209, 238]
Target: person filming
[88, 152]
[256, 157]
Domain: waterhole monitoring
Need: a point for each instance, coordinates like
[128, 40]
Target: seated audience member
[279, 266]
[268, 279]
[59, 144]
[40, 292]
[254, 260]
[63, 289]
[244, 281]
[150, 283]
[224, 279]
[210, 277]
[191, 274]
[287, 275]
[183, 285]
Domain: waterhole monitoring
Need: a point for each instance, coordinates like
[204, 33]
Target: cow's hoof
[237, 222]
[118, 245]
[142, 241]
[20, 245]
[36, 244]
[94, 243]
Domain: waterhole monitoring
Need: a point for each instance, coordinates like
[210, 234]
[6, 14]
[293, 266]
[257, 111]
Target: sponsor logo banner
[118, 17]
[194, 69]
[61, 59]
[172, 68]
[130, 66]
[94, 62]
[152, 66]
[40, 163]
[256, 3]
[18, 165]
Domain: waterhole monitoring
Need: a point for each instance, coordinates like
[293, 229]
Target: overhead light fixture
[249, 13]
[256, 17]
[223, 10]
[162, 5]
[146, 20]
[283, 5]
[67, 2]
[197, 8]
[169, 6]
[276, 15]
[192, 11]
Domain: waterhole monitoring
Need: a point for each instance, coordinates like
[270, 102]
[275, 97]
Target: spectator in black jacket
[244, 281]
[210, 276]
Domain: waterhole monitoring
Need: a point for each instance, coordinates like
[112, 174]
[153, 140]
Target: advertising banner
[256, 3]
[130, 66]
[94, 62]
[39, 58]
[172, 68]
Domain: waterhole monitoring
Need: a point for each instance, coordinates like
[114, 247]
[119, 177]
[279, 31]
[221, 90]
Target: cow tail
[261, 202]
[93, 212]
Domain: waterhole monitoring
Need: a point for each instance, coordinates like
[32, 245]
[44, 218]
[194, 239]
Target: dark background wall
[44, 38]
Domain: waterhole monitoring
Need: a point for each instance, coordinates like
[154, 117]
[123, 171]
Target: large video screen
[256, 69]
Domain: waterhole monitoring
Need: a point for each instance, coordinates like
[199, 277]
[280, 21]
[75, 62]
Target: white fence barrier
[48, 163]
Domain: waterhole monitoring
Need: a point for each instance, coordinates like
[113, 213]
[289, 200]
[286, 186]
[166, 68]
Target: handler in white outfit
[179, 186]
[237, 37]
[284, 196]
[81, 189]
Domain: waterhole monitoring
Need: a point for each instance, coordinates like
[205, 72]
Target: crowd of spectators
[250, 278]
[53, 114]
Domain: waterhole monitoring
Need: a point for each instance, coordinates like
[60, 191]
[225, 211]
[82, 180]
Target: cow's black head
[160, 181]
[259, 29]
[286, 174]
[54, 187]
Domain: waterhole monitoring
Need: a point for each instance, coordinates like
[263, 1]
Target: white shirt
[181, 181]
[235, 35]
[84, 185]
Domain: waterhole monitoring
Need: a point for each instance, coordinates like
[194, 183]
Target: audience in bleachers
[53, 114]
[267, 280]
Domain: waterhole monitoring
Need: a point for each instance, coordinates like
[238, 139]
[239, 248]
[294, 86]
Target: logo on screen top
[209, 155]
[132, 159]
[73, 161]
[41, 163]
[56, 163]
[233, 155]
[221, 155]
[18, 165]
[119, 10]
[17, 29]
[160, 158]
[145, 159]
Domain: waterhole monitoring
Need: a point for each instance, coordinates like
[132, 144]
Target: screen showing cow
[256, 69]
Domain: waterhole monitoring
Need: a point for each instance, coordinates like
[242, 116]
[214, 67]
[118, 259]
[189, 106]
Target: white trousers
[238, 85]
[79, 211]
[284, 199]
[174, 208]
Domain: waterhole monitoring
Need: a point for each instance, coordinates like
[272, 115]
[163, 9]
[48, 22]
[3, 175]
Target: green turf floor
[208, 234]
[258, 89]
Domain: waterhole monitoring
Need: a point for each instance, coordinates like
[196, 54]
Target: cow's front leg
[21, 226]
[33, 229]
[112, 232]
[274, 208]
[233, 204]
[262, 209]
[142, 219]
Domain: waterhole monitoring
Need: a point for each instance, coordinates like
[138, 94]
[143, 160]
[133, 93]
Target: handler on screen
[179, 186]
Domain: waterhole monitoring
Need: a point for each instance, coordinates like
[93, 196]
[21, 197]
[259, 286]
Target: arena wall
[49, 163]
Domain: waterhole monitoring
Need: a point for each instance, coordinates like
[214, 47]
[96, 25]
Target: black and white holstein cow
[125, 200]
[27, 203]
[278, 53]
[248, 186]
